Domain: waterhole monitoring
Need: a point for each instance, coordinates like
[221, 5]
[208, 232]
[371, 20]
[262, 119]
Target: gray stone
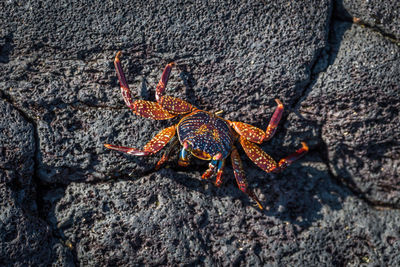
[357, 101]
[383, 15]
[172, 218]
[66, 200]
[25, 239]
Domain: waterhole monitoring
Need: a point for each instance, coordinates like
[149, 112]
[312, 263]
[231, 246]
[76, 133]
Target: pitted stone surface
[76, 203]
[25, 239]
[173, 218]
[358, 101]
[384, 15]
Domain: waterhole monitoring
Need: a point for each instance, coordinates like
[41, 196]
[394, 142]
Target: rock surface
[66, 200]
[25, 238]
[382, 15]
[357, 99]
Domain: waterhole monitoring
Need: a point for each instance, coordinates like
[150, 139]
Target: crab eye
[187, 145]
[218, 156]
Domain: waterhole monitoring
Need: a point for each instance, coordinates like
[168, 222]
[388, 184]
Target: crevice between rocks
[40, 188]
[323, 153]
[391, 37]
[35, 179]
[322, 148]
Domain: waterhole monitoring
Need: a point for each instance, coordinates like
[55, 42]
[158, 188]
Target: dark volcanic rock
[358, 101]
[384, 14]
[72, 144]
[66, 200]
[355, 235]
[173, 218]
[240, 56]
[17, 147]
[25, 239]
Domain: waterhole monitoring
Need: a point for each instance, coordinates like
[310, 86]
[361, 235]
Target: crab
[203, 134]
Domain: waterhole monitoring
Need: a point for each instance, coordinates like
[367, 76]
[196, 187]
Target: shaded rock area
[25, 238]
[361, 130]
[67, 201]
[382, 15]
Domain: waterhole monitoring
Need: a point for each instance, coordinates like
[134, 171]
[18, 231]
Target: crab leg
[171, 104]
[165, 108]
[152, 110]
[126, 93]
[152, 147]
[184, 155]
[256, 135]
[239, 175]
[216, 164]
[265, 161]
[143, 108]
[283, 163]
[160, 89]
[210, 171]
[165, 156]
[220, 170]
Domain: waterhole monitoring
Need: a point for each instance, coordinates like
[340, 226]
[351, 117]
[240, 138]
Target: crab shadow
[296, 195]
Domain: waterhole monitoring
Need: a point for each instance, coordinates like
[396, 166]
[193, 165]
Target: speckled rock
[171, 218]
[383, 15]
[77, 203]
[358, 101]
[17, 147]
[25, 239]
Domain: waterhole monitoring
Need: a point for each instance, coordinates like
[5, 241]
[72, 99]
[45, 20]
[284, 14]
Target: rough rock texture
[382, 15]
[25, 239]
[66, 200]
[357, 99]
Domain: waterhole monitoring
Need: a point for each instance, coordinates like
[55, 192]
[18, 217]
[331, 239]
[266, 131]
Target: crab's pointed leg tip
[172, 64]
[119, 53]
[260, 206]
[278, 102]
[305, 147]
[109, 146]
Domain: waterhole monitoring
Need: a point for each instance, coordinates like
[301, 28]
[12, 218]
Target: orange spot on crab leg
[163, 81]
[240, 179]
[152, 110]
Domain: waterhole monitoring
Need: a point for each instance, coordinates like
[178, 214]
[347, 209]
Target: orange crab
[205, 135]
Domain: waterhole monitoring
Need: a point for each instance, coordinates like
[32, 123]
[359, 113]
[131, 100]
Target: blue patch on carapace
[206, 132]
